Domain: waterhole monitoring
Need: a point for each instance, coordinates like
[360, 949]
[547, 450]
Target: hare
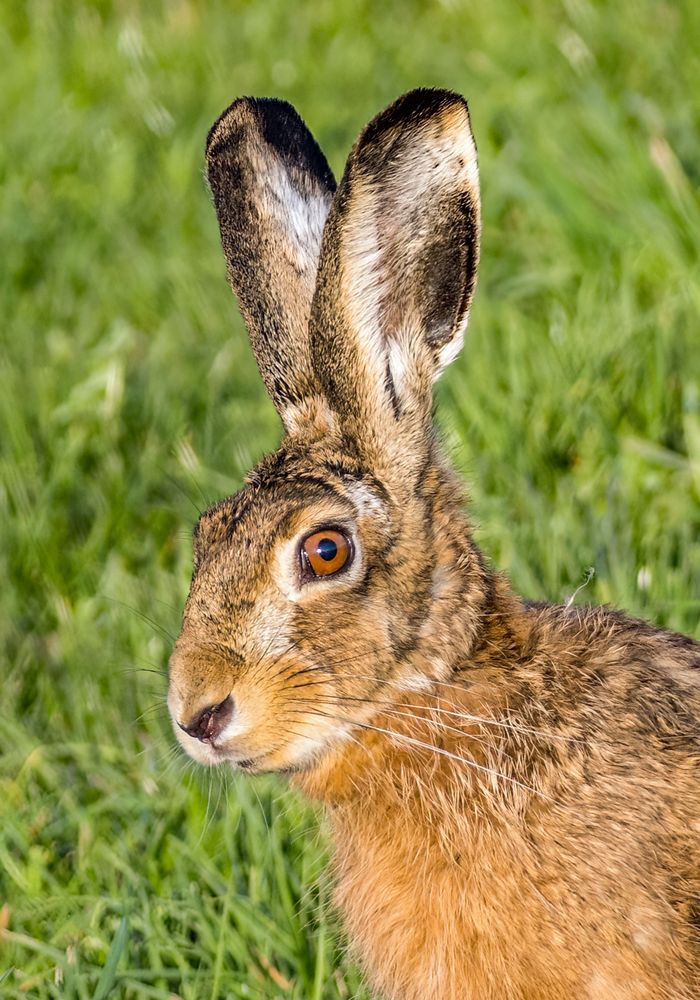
[513, 789]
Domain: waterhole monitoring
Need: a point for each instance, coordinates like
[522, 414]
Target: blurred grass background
[129, 398]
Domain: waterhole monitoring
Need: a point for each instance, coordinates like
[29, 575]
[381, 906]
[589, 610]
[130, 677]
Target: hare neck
[424, 801]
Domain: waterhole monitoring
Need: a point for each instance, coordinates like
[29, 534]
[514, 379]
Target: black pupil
[327, 549]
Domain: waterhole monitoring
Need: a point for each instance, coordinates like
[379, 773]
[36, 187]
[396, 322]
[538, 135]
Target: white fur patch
[302, 215]
[398, 365]
[417, 682]
[442, 160]
[440, 583]
[362, 258]
[607, 986]
[365, 500]
[449, 351]
[650, 931]
[303, 749]
[238, 725]
[267, 628]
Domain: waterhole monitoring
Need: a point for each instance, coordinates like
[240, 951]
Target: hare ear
[272, 190]
[398, 262]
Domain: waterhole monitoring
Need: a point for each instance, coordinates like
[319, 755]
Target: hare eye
[326, 552]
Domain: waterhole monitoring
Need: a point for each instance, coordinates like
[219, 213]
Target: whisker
[500, 723]
[164, 758]
[150, 621]
[178, 486]
[207, 817]
[260, 662]
[457, 757]
[143, 670]
[412, 741]
[386, 708]
[459, 687]
[295, 687]
[358, 656]
[508, 725]
[170, 607]
[302, 673]
[159, 705]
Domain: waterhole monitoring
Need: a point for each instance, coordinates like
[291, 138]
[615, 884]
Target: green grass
[128, 397]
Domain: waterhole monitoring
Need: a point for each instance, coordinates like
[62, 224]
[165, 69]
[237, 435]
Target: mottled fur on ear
[272, 190]
[398, 261]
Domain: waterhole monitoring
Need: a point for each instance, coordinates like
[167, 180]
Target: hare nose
[208, 724]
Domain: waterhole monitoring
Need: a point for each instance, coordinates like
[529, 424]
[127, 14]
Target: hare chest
[429, 922]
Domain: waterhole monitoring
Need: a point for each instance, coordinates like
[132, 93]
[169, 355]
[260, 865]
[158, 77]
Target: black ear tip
[278, 125]
[413, 109]
[244, 114]
[427, 100]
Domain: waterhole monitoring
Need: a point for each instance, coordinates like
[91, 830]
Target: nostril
[210, 722]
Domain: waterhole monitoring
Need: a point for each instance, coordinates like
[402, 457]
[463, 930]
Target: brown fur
[513, 789]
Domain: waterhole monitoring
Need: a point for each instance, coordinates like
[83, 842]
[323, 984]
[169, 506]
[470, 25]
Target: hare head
[512, 786]
[344, 563]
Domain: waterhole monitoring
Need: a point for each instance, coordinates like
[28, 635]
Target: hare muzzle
[208, 724]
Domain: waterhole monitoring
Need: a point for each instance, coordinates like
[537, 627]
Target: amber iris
[326, 552]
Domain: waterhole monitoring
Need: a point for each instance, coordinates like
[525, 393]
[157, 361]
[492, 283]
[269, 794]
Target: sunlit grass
[129, 400]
